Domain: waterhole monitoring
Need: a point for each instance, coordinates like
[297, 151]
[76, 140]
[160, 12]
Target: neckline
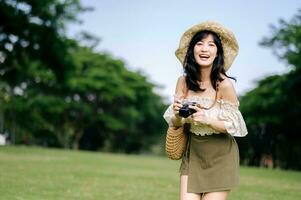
[220, 101]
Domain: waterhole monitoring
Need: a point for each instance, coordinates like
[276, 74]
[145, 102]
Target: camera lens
[185, 111]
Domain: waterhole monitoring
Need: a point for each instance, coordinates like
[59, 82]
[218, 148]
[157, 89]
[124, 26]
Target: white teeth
[204, 56]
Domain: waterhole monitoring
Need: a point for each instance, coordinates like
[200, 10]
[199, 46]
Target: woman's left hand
[199, 117]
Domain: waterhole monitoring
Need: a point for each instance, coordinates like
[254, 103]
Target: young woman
[210, 165]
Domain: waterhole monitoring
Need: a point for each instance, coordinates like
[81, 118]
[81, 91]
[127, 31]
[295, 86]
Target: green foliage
[56, 92]
[272, 110]
[286, 41]
[121, 101]
[34, 30]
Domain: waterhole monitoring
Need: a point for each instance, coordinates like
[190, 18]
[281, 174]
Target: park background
[96, 76]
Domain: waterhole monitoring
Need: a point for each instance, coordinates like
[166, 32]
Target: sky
[145, 35]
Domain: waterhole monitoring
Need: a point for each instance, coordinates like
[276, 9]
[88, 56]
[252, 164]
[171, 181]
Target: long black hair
[192, 69]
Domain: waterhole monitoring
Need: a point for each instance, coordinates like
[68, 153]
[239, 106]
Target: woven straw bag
[176, 139]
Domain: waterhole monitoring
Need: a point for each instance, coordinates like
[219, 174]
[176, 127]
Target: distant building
[2, 139]
[267, 161]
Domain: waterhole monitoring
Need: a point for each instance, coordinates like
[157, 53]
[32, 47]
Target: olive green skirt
[211, 163]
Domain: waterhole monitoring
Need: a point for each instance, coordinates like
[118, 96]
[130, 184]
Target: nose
[204, 48]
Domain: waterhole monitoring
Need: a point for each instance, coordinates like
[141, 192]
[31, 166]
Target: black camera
[185, 111]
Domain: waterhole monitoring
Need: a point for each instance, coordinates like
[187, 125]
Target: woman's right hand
[177, 104]
[176, 107]
[177, 119]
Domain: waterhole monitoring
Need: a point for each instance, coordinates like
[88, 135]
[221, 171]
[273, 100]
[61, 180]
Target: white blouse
[222, 110]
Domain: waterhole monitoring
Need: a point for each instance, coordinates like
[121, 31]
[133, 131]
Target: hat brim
[229, 42]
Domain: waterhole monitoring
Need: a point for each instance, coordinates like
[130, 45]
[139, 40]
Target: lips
[204, 56]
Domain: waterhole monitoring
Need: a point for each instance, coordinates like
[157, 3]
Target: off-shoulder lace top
[222, 110]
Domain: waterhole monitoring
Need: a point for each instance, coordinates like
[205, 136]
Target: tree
[56, 92]
[124, 108]
[35, 61]
[273, 108]
[35, 30]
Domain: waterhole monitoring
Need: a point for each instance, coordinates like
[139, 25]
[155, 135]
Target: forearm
[176, 121]
[218, 125]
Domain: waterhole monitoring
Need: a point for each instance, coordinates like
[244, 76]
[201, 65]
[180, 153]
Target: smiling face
[205, 51]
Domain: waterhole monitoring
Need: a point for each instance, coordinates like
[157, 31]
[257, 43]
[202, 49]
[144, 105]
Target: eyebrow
[208, 41]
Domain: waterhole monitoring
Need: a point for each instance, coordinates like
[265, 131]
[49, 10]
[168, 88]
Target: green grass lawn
[38, 173]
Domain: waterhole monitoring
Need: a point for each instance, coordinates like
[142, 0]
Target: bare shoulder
[181, 85]
[227, 91]
[226, 84]
[181, 79]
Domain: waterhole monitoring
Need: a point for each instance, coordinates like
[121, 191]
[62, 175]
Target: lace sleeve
[233, 119]
[168, 114]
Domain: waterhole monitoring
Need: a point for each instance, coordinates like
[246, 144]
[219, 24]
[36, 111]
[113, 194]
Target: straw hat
[227, 37]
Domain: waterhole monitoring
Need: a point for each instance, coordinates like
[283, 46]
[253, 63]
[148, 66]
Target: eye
[212, 44]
